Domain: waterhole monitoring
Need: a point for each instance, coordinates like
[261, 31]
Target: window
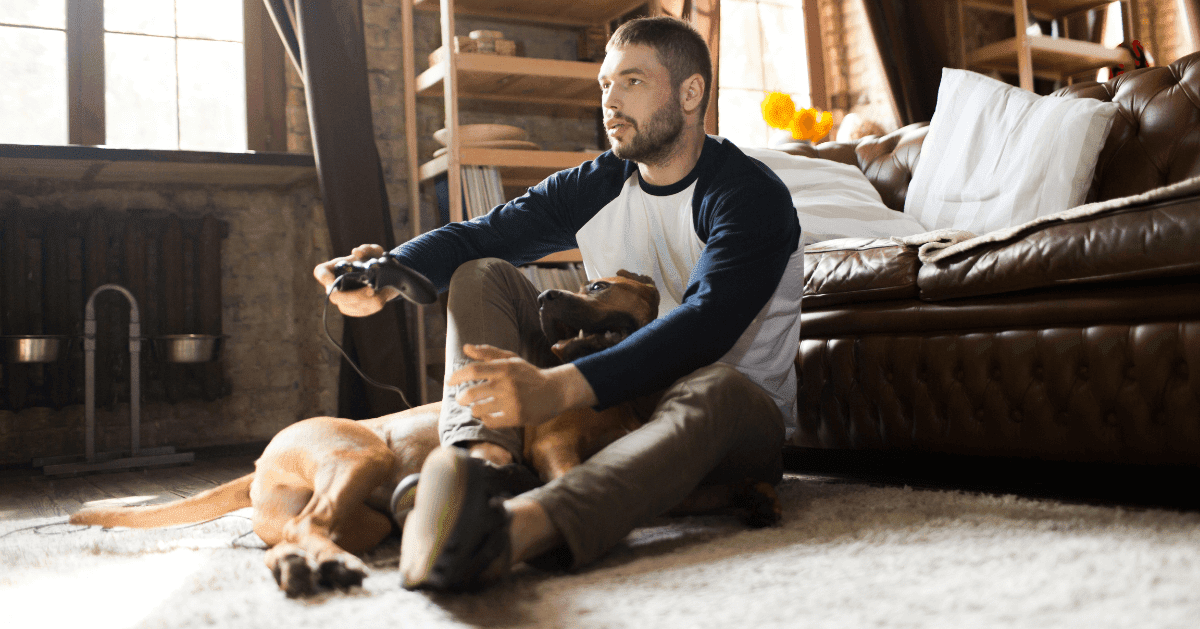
[763, 49]
[203, 75]
[33, 83]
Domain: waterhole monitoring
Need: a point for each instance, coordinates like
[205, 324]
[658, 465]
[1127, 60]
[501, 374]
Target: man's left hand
[515, 392]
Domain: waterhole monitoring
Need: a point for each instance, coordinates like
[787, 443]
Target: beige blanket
[943, 243]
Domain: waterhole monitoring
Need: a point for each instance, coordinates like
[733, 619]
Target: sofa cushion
[834, 200]
[1129, 243]
[998, 156]
[858, 270]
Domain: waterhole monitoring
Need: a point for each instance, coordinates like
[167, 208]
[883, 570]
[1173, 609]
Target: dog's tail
[203, 506]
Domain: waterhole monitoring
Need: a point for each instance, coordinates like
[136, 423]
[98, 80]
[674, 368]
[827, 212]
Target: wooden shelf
[565, 12]
[1054, 58]
[517, 168]
[1041, 9]
[517, 79]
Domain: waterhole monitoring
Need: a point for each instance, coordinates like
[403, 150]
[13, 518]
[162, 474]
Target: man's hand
[516, 393]
[361, 302]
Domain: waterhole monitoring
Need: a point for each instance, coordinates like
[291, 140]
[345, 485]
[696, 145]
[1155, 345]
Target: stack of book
[565, 276]
[482, 190]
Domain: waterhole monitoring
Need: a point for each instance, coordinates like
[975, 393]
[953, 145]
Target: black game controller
[385, 271]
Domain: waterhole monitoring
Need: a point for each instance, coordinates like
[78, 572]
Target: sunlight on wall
[762, 49]
[116, 596]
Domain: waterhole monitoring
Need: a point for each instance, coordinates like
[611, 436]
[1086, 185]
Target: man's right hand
[356, 303]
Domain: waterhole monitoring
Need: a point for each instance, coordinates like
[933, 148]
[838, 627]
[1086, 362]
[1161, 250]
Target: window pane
[741, 117]
[140, 91]
[741, 47]
[44, 13]
[33, 86]
[785, 55]
[212, 96]
[148, 17]
[210, 19]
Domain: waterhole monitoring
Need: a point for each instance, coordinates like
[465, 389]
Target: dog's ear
[635, 277]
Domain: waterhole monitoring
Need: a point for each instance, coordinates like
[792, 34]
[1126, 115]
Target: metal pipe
[135, 375]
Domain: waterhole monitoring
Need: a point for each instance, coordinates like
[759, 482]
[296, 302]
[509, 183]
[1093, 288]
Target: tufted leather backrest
[1155, 139]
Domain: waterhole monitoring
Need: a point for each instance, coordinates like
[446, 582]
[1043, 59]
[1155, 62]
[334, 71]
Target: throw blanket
[943, 243]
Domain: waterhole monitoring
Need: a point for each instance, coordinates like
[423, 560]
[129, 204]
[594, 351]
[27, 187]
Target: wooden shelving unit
[500, 79]
[1057, 58]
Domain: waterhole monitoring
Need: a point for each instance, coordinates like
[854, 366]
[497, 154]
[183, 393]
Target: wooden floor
[25, 493]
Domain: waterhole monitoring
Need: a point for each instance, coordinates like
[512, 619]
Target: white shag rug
[846, 555]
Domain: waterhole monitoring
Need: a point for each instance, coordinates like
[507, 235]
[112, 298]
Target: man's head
[655, 80]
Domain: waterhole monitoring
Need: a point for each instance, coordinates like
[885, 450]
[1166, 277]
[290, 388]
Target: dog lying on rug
[326, 489]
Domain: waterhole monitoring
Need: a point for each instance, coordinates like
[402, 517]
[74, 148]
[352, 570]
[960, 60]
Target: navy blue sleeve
[528, 228]
[750, 230]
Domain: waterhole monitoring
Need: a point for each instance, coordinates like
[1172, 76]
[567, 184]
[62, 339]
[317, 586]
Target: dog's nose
[547, 295]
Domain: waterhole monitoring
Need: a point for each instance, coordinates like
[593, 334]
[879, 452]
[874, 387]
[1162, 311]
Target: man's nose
[610, 100]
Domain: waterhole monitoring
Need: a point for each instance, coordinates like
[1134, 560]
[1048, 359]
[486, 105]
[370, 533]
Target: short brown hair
[679, 47]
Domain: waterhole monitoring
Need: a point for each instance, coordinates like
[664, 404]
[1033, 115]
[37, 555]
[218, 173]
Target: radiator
[51, 261]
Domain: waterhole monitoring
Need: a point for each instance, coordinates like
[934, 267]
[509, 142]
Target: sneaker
[505, 481]
[457, 535]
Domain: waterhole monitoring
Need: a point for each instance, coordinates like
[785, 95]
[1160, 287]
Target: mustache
[622, 118]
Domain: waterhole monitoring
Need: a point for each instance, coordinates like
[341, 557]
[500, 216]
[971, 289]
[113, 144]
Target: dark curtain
[324, 39]
[911, 37]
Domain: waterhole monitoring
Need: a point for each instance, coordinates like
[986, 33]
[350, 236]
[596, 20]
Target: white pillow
[998, 156]
[834, 200]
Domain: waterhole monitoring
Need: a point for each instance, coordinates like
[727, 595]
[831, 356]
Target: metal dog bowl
[187, 348]
[33, 348]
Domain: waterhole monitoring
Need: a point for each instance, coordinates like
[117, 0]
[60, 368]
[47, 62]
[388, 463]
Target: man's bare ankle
[531, 532]
[490, 452]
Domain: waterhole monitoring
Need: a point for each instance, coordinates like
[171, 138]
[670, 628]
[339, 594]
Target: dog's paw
[758, 504]
[293, 574]
[342, 572]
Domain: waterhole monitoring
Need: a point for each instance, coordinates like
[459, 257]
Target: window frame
[266, 92]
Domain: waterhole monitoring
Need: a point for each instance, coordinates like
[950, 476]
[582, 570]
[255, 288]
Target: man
[718, 234]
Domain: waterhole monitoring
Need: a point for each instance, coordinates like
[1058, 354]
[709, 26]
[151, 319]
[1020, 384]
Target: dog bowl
[187, 348]
[33, 348]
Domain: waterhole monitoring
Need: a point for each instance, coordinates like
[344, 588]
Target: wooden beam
[85, 72]
[266, 91]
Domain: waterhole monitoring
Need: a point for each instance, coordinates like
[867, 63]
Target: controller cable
[325, 324]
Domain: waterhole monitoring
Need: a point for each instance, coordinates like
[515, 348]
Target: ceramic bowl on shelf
[520, 145]
[476, 133]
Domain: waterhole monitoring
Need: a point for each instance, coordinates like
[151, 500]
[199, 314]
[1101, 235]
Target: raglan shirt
[722, 246]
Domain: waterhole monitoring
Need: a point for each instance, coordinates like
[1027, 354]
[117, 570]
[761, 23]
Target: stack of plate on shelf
[489, 136]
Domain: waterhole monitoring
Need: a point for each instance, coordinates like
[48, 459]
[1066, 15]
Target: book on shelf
[482, 190]
[568, 277]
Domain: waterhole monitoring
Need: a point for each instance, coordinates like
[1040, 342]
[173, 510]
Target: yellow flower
[810, 124]
[778, 109]
[802, 124]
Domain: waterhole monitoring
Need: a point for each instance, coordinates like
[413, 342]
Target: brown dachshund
[321, 491]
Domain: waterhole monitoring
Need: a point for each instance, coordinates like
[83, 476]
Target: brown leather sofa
[1077, 342]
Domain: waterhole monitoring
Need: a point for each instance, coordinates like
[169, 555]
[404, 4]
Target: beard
[655, 143]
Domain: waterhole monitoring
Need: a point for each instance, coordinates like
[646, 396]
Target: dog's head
[603, 313]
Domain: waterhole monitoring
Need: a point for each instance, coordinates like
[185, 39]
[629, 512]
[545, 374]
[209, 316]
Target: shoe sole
[434, 514]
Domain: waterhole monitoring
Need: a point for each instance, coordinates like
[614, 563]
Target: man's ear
[691, 92]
